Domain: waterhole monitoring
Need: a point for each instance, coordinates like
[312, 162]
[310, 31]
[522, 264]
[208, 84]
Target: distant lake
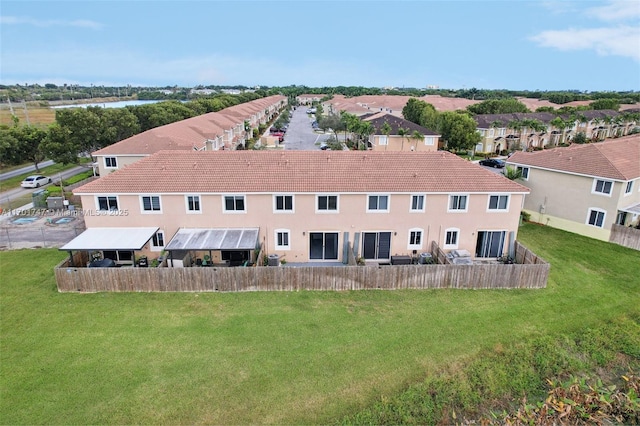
[118, 104]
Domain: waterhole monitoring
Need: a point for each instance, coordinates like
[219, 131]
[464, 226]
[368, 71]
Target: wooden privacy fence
[625, 236]
[284, 278]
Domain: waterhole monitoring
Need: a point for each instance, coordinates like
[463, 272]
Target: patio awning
[214, 239]
[111, 239]
[635, 209]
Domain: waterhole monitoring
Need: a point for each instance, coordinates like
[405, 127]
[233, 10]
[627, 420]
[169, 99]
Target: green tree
[29, 146]
[458, 131]
[580, 138]
[402, 132]
[498, 106]
[386, 130]
[512, 173]
[59, 146]
[613, 104]
[418, 138]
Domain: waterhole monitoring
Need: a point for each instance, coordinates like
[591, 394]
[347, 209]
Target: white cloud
[619, 41]
[25, 20]
[616, 10]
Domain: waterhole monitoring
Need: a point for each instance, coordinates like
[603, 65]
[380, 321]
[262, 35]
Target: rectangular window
[284, 203]
[458, 202]
[234, 203]
[378, 203]
[596, 218]
[524, 171]
[415, 238]
[327, 202]
[193, 203]
[382, 140]
[282, 239]
[629, 187]
[157, 241]
[602, 186]
[429, 140]
[498, 202]
[110, 162]
[108, 203]
[151, 203]
[451, 238]
[417, 203]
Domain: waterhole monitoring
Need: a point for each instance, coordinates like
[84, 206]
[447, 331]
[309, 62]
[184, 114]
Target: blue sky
[533, 45]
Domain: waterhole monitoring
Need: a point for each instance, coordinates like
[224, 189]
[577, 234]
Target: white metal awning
[111, 239]
[635, 209]
[214, 239]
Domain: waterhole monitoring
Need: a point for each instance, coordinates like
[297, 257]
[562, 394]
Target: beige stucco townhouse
[301, 206]
[584, 188]
[229, 128]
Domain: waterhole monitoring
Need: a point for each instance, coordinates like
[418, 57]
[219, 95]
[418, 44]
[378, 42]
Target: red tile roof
[613, 159]
[301, 171]
[189, 133]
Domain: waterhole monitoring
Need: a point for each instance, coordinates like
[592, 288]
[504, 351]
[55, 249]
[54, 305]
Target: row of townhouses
[229, 128]
[537, 130]
[309, 206]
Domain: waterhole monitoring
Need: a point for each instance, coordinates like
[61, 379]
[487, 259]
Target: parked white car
[35, 181]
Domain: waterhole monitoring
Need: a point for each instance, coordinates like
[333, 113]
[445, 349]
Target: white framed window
[498, 203]
[378, 203]
[629, 188]
[110, 162]
[415, 239]
[106, 202]
[157, 241]
[429, 140]
[491, 132]
[458, 203]
[327, 203]
[233, 204]
[451, 236]
[502, 131]
[193, 204]
[283, 204]
[282, 239]
[417, 203]
[524, 171]
[150, 204]
[601, 186]
[596, 217]
[383, 140]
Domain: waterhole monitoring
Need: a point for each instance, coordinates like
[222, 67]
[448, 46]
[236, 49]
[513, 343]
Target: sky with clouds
[584, 45]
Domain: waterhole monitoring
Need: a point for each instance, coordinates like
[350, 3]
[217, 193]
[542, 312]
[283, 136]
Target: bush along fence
[532, 273]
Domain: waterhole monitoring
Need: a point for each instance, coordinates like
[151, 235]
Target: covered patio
[233, 246]
[117, 244]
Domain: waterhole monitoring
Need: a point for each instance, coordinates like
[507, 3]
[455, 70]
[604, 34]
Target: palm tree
[386, 130]
[512, 173]
[418, 137]
[403, 133]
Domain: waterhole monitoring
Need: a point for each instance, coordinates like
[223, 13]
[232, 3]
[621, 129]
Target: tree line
[80, 131]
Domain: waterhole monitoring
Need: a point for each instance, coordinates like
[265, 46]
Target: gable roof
[189, 133]
[301, 171]
[378, 120]
[484, 121]
[613, 159]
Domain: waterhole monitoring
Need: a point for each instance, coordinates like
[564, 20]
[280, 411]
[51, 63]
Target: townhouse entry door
[323, 245]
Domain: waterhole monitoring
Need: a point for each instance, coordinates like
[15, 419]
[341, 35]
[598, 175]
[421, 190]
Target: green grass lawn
[302, 357]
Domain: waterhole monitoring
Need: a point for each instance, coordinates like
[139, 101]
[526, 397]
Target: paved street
[26, 169]
[300, 134]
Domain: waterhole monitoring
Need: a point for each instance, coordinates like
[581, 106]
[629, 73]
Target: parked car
[324, 146]
[492, 162]
[35, 181]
